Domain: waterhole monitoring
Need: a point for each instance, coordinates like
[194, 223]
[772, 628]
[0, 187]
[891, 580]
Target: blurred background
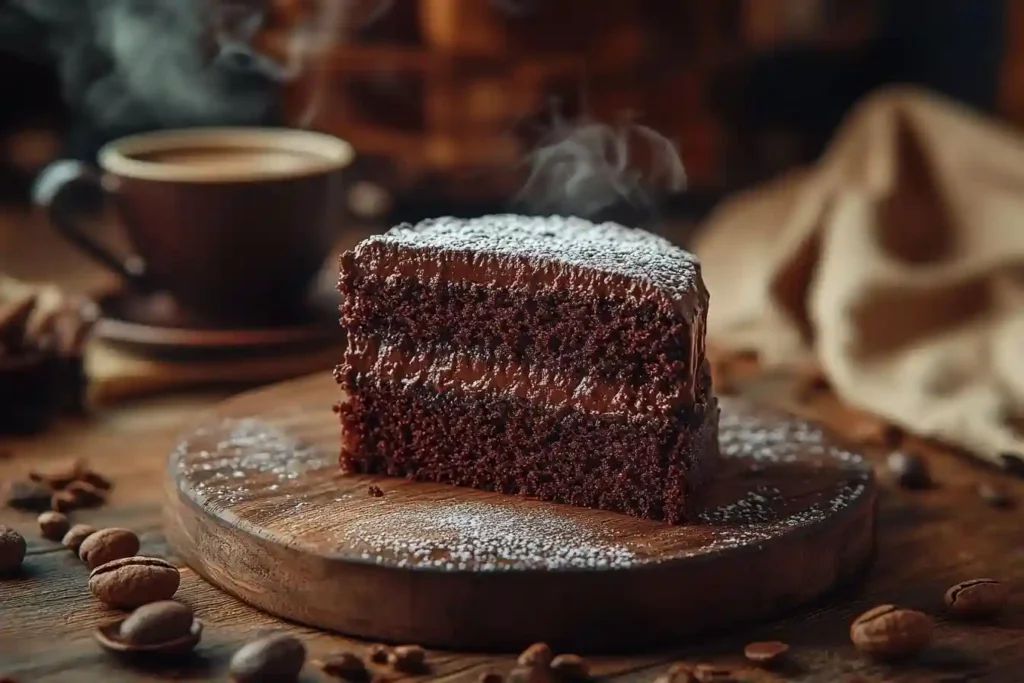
[467, 107]
[443, 99]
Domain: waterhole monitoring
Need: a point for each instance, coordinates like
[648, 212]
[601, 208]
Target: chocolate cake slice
[545, 357]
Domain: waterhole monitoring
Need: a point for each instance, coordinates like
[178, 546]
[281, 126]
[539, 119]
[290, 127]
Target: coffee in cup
[233, 223]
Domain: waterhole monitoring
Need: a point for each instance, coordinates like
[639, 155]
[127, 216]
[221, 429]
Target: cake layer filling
[371, 359]
[635, 341]
[647, 468]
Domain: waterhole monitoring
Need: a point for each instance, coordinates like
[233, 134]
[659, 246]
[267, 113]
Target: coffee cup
[233, 223]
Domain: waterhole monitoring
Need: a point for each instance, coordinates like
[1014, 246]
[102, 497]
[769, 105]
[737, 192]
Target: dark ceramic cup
[233, 223]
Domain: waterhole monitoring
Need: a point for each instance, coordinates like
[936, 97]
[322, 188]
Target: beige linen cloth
[897, 262]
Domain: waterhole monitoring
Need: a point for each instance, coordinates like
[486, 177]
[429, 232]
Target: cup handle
[69, 190]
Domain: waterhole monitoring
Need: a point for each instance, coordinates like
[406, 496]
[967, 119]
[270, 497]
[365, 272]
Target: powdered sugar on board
[780, 475]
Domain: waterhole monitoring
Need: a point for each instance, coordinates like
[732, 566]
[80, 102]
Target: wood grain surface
[927, 541]
[257, 506]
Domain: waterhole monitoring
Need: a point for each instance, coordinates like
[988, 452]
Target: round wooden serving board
[256, 504]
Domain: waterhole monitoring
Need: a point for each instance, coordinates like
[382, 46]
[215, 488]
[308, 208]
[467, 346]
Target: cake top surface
[607, 247]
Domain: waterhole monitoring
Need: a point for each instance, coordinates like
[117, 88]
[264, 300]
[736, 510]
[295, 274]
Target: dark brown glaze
[465, 371]
[548, 357]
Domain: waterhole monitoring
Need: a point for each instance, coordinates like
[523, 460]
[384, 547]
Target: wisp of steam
[589, 168]
[149, 64]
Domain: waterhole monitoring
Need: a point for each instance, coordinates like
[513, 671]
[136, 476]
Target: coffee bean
[994, 495]
[53, 525]
[106, 545]
[379, 654]
[408, 659]
[767, 653]
[157, 622]
[976, 598]
[86, 495]
[570, 667]
[276, 657]
[96, 480]
[889, 632]
[161, 628]
[909, 470]
[12, 550]
[538, 654]
[677, 673]
[712, 673]
[60, 475]
[63, 501]
[490, 677]
[344, 665]
[134, 581]
[76, 535]
[27, 495]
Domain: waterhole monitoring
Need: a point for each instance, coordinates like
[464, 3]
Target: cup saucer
[153, 325]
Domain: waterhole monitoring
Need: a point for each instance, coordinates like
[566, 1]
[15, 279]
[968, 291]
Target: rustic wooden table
[928, 541]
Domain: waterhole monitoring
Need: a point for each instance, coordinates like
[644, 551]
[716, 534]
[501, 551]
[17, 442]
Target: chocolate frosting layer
[557, 252]
[461, 371]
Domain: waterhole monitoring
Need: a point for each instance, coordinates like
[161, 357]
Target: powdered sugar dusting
[607, 247]
[484, 536]
[236, 460]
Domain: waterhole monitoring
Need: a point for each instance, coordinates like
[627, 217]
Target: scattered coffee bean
[61, 475]
[53, 525]
[379, 654]
[976, 598]
[538, 654]
[157, 622]
[767, 653]
[890, 632]
[1013, 462]
[408, 659]
[344, 665]
[85, 494]
[375, 491]
[677, 673]
[106, 545]
[63, 501]
[96, 480]
[909, 469]
[76, 535]
[27, 495]
[490, 677]
[994, 495]
[134, 581]
[276, 657]
[160, 628]
[711, 673]
[12, 550]
[570, 667]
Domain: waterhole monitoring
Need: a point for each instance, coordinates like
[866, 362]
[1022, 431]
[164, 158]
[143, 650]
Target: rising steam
[147, 64]
[589, 168]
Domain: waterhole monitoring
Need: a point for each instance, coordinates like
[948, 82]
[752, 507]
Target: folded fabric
[897, 262]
